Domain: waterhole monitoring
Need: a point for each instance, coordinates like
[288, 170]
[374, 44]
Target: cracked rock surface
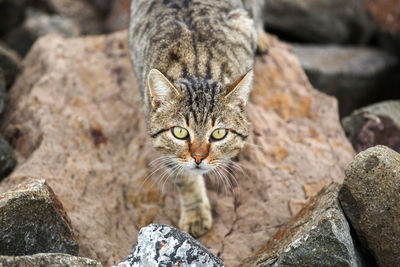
[318, 235]
[370, 198]
[32, 220]
[163, 245]
[74, 117]
[47, 259]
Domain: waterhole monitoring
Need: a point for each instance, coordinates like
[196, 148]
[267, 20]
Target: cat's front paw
[196, 222]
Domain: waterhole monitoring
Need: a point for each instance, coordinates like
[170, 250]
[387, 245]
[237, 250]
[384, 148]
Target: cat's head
[197, 124]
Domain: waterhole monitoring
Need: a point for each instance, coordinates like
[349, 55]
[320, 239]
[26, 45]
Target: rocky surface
[355, 76]
[329, 21]
[377, 124]
[2, 90]
[163, 245]
[32, 220]
[7, 159]
[74, 118]
[370, 199]
[47, 259]
[318, 235]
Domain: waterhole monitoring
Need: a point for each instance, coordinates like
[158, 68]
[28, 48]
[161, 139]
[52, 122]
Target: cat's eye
[219, 134]
[179, 132]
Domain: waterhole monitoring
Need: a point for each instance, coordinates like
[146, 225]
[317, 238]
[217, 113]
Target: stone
[7, 159]
[118, 17]
[74, 117]
[377, 124]
[47, 259]
[163, 245]
[36, 24]
[386, 16]
[328, 21]
[32, 220]
[11, 14]
[10, 62]
[370, 199]
[83, 13]
[318, 235]
[356, 76]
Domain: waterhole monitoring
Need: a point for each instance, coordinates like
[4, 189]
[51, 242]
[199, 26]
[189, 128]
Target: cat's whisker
[175, 168]
[223, 167]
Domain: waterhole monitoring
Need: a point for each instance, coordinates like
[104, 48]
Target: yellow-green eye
[219, 134]
[179, 132]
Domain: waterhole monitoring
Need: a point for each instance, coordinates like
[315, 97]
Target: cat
[194, 62]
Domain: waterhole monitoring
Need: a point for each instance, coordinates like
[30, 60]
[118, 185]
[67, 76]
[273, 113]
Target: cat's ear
[240, 89]
[160, 88]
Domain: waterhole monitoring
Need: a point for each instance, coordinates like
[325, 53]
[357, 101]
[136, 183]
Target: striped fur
[204, 52]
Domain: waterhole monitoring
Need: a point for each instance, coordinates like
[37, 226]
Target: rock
[82, 12]
[318, 235]
[355, 76]
[329, 21]
[47, 259]
[74, 118]
[32, 220]
[163, 245]
[370, 199]
[38, 23]
[11, 14]
[10, 63]
[118, 18]
[386, 15]
[377, 124]
[7, 159]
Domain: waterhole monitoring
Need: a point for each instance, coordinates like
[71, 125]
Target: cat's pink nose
[198, 157]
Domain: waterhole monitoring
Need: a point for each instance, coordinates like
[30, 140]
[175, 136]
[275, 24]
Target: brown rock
[32, 220]
[370, 198]
[377, 124]
[75, 118]
[386, 14]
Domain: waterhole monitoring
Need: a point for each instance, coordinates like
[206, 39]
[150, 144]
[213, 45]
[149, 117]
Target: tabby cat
[194, 62]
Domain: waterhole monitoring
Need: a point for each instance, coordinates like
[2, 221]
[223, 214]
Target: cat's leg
[196, 216]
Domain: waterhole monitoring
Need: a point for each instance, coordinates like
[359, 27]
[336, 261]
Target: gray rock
[36, 24]
[32, 220]
[328, 21]
[47, 259]
[10, 63]
[7, 159]
[370, 198]
[82, 12]
[318, 235]
[356, 76]
[377, 124]
[164, 245]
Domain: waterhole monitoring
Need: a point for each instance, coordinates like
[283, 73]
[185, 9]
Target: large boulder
[47, 259]
[356, 76]
[319, 235]
[377, 124]
[163, 245]
[328, 21]
[370, 199]
[74, 117]
[32, 220]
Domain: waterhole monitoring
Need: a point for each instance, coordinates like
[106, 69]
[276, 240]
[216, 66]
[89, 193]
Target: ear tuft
[160, 88]
[241, 88]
